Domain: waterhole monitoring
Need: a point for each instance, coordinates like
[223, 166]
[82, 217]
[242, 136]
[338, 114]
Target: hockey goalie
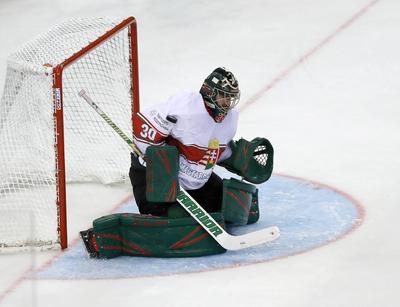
[182, 140]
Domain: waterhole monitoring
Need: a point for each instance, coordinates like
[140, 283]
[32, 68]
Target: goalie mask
[220, 92]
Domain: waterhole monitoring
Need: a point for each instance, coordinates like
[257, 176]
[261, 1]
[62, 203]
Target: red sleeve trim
[144, 131]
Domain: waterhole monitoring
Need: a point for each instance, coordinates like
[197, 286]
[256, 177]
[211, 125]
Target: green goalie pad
[162, 173]
[129, 234]
[251, 160]
[254, 213]
[239, 202]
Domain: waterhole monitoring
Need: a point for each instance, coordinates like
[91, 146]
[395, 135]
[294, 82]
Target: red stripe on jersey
[192, 152]
[146, 132]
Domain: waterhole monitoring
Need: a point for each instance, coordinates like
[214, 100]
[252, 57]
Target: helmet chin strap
[217, 114]
[219, 118]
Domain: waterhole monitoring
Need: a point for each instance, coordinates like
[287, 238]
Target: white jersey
[201, 141]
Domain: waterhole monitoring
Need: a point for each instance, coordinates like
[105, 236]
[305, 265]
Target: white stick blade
[251, 239]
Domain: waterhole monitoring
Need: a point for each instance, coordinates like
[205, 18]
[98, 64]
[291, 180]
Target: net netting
[28, 211]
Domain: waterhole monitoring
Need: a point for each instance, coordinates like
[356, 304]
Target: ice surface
[332, 118]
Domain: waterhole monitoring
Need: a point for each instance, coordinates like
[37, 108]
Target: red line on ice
[286, 72]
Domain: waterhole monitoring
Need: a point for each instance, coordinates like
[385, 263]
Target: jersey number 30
[148, 133]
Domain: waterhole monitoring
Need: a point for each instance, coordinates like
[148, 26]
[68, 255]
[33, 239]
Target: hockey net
[48, 136]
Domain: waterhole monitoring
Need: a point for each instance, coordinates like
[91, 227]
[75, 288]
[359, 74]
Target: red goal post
[129, 23]
[98, 54]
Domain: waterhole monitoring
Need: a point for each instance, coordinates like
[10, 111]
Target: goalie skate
[90, 243]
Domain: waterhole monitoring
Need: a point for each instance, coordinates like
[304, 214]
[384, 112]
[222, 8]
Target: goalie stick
[226, 240]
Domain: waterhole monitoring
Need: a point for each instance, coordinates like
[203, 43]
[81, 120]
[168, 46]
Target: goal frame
[58, 115]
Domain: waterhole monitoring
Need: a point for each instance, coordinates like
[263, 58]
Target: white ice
[319, 79]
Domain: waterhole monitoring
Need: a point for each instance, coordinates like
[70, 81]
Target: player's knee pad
[162, 168]
[239, 202]
[128, 234]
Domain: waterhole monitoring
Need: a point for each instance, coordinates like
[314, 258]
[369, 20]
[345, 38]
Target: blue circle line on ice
[309, 215]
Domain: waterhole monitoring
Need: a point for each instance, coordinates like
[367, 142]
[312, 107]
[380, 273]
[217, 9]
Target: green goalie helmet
[220, 91]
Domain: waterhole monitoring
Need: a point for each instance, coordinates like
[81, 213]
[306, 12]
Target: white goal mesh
[93, 152]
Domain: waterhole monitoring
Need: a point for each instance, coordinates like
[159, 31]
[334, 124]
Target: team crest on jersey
[211, 155]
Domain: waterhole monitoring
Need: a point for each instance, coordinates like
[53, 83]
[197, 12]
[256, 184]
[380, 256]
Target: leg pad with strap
[239, 202]
[128, 234]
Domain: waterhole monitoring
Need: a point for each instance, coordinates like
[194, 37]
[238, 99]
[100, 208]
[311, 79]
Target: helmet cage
[224, 100]
[221, 92]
